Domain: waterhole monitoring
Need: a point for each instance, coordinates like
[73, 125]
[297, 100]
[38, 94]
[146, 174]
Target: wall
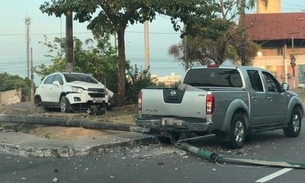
[10, 97]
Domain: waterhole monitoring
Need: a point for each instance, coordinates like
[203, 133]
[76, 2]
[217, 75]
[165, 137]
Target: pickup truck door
[277, 100]
[259, 104]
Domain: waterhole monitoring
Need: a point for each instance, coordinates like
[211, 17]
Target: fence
[10, 97]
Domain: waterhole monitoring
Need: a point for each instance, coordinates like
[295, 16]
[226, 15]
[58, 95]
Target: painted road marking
[274, 175]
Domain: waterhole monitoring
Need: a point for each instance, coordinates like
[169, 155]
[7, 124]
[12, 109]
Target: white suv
[71, 91]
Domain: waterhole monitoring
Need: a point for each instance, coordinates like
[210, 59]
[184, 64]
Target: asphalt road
[164, 164]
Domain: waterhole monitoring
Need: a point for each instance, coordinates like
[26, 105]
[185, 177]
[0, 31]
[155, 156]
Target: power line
[41, 34]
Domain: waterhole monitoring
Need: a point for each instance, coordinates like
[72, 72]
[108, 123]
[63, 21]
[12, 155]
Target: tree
[232, 43]
[113, 16]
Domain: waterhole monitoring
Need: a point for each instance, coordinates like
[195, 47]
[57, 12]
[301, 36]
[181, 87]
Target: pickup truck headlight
[77, 89]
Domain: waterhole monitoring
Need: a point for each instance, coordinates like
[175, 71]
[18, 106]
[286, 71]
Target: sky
[13, 52]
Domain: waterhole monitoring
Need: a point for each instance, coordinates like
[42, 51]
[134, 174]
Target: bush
[136, 80]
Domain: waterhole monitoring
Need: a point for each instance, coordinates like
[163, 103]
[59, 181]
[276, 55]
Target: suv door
[44, 89]
[56, 90]
[277, 100]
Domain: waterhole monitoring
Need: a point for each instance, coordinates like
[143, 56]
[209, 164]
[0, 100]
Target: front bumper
[77, 98]
[174, 124]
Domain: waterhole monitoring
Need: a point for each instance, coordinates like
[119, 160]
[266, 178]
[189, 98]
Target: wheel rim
[62, 105]
[296, 123]
[239, 131]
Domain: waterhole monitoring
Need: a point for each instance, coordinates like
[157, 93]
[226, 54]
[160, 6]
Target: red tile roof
[275, 26]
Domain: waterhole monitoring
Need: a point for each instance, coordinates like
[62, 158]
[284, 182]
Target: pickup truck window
[215, 77]
[255, 80]
[272, 84]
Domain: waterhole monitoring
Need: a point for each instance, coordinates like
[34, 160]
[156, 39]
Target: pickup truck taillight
[140, 101]
[210, 104]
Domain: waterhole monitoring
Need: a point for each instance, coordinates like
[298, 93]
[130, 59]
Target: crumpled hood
[86, 85]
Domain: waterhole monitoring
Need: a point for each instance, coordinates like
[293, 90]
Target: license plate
[171, 121]
[97, 101]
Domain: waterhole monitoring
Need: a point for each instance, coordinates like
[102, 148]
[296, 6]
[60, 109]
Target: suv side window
[59, 79]
[272, 84]
[255, 80]
[49, 80]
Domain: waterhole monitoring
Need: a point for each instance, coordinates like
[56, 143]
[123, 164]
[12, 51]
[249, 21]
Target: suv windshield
[80, 77]
[216, 77]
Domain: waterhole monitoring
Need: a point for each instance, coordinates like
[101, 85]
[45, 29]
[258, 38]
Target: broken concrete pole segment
[85, 123]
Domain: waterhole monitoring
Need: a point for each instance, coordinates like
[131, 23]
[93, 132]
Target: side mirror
[56, 83]
[285, 86]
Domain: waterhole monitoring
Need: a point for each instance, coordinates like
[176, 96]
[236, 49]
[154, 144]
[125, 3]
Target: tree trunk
[121, 67]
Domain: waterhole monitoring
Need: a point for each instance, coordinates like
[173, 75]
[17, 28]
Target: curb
[44, 152]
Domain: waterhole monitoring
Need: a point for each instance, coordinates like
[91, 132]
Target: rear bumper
[174, 124]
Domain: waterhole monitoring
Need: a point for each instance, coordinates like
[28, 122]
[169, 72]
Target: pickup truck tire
[65, 105]
[237, 131]
[294, 127]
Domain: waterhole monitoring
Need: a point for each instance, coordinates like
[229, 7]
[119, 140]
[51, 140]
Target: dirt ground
[124, 114]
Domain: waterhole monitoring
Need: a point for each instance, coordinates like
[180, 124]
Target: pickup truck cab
[228, 101]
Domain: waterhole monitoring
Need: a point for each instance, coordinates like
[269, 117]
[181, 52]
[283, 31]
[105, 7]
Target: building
[272, 6]
[168, 80]
[281, 37]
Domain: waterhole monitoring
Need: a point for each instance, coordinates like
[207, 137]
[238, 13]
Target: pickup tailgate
[174, 103]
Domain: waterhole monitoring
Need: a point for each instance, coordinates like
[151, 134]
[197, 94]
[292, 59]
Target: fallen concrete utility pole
[213, 157]
[83, 122]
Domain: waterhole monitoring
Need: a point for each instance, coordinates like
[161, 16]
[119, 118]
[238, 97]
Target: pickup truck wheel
[294, 126]
[65, 105]
[237, 131]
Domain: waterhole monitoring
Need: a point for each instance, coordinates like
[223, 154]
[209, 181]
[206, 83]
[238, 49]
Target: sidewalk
[32, 146]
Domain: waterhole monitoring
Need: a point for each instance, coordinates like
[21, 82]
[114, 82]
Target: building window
[280, 51]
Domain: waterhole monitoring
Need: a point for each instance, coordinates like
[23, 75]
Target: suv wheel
[65, 105]
[38, 103]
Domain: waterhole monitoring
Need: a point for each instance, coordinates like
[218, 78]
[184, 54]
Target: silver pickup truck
[229, 101]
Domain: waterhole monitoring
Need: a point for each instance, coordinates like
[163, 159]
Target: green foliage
[12, 82]
[136, 80]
